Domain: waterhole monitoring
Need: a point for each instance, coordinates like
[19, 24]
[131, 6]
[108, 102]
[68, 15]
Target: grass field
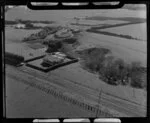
[129, 50]
[23, 101]
[24, 50]
[16, 35]
[139, 31]
[99, 22]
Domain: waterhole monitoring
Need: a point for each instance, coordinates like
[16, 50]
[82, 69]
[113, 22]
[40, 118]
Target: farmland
[31, 102]
[123, 30]
[75, 78]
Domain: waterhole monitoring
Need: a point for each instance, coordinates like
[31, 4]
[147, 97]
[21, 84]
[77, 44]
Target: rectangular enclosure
[37, 64]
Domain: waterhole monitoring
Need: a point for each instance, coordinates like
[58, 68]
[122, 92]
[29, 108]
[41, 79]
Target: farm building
[19, 26]
[52, 59]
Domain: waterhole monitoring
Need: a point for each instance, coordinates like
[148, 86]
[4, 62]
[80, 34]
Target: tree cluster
[113, 70]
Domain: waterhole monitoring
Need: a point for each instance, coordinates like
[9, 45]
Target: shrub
[70, 40]
[29, 25]
[8, 22]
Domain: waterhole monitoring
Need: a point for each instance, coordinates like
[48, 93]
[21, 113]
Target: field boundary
[116, 35]
[111, 26]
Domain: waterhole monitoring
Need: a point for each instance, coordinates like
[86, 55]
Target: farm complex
[88, 62]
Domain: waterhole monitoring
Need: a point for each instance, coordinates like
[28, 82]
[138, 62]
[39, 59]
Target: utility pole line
[99, 99]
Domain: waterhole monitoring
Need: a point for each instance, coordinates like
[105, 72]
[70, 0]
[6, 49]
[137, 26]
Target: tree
[136, 75]
[121, 71]
[115, 71]
[54, 46]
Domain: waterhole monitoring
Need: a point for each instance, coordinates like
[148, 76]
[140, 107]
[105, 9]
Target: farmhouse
[64, 33]
[19, 26]
[52, 59]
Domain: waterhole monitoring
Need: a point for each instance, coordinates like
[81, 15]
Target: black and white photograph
[76, 63]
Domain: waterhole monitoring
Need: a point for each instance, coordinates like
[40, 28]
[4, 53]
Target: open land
[135, 33]
[24, 101]
[73, 78]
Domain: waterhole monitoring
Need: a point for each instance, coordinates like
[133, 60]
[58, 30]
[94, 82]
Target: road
[124, 107]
